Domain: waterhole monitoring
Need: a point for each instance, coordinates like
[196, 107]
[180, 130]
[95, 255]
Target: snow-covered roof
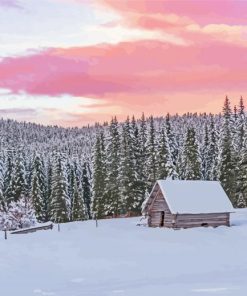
[195, 197]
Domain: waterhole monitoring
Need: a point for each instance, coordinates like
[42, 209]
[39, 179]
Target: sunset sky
[74, 62]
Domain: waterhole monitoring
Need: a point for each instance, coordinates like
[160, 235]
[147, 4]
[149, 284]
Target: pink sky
[108, 57]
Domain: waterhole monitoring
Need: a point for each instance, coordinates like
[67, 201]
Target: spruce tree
[205, 154]
[19, 184]
[127, 168]
[7, 184]
[86, 189]
[99, 176]
[165, 163]
[141, 156]
[152, 163]
[241, 187]
[49, 174]
[38, 189]
[227, 174]
[113, 202]
[60, 203]
[211, 171]
[191, 157]
[2, 201]
[171, 139]
[78, 208]
[241, 121]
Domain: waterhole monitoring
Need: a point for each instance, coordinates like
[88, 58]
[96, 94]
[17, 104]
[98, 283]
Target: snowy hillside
[120, 258]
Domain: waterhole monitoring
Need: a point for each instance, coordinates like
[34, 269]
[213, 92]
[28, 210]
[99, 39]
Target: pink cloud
[134, 67]
[203, 12]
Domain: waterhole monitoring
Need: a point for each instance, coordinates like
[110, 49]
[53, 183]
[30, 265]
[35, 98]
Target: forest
[50, 173]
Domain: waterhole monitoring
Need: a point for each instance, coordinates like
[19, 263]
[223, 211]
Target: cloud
[19, 111]
[10, 4]
[193, 21]
[131, 67]
[203, 12]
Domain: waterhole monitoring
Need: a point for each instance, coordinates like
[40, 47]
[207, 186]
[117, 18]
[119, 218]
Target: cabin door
[162, 219]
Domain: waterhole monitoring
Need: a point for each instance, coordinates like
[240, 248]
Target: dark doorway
[162, 218]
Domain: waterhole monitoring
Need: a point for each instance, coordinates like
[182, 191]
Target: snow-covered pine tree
[48, 177]
[2, 201]
[19, 183]
[165, 163]
[60, 203]
[86, 189]
[191, 157]
[38, 189]
[141, 156]
[241, 187]
[139, 183]
[113, 202]
[227, 174]
[152, 163]
[99, 176]
[78, 207]
[241, 121]
[211, 172]
[171, 139]
[127, 168]
[7, 184]
[71, 180]
[205, 154]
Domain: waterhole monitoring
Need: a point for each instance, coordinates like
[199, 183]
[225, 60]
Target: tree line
[51, 173]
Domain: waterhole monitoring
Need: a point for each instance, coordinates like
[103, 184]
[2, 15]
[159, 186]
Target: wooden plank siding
[176, 221]
[158, 206]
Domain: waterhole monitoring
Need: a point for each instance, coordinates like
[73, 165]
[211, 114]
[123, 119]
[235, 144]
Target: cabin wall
[190, 220]
[199, 220]
[158, 206]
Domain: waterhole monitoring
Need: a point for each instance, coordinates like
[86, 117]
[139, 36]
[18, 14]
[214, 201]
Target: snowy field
[121, 259]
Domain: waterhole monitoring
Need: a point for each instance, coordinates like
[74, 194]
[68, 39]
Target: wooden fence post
[5, 233]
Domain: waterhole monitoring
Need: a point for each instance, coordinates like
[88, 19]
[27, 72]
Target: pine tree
[205, 154]
[191, 158]
[38, 189]
[240, 126]
[78, 208]
[49, 174]
[171, 140]
[113, 202]
[211, 171]
[2, 201]
[139, 183]
[127, 168]
[60, 203]
[227, 165]
[152, 163]
[165, 164]
[7, 184]
[141, 156]
[241, 187]
[99, 176]
[18, 179]
[71, 180]
[86, 189]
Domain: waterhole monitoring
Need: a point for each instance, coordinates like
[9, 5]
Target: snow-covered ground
[120, 258]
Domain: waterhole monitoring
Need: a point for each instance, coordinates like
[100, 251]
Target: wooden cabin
[185, 204]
